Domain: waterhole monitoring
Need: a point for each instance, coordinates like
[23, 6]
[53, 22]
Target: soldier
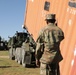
[48, 53]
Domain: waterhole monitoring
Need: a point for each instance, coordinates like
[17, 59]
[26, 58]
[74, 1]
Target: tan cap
[50, 16]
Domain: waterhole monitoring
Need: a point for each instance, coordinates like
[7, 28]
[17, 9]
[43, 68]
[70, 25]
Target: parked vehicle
[3, 45]
[22, 48]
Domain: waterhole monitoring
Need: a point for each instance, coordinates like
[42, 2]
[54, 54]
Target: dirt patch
[4, 56]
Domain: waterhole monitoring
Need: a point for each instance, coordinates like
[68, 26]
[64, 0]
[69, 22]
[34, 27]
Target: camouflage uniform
[47, 49]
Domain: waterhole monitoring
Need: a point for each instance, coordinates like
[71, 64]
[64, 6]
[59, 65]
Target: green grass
[10, 67]
[4, 53]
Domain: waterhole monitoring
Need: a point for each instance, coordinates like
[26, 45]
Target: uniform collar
[51, 24]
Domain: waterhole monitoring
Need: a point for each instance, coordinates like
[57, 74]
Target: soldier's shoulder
[58, 28]
[44, 28]
[60, 31]
[41, 31]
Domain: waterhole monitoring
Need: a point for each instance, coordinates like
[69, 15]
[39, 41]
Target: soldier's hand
[37, 63]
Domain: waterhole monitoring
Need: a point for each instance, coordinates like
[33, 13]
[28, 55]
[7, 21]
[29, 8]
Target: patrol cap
[50, 16]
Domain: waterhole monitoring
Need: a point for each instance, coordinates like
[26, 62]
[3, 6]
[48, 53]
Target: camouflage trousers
[49, 69]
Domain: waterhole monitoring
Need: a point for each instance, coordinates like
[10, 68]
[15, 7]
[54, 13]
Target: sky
[11, 17]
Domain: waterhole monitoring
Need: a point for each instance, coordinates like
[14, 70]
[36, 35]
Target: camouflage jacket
[48, 41]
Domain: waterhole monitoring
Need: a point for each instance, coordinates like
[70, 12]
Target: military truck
[28, 51]
[14, 42]
[22, 48]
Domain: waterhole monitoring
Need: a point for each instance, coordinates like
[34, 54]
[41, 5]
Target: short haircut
[51, 20]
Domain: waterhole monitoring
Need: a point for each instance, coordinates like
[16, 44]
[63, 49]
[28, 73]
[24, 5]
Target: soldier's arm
[61, 33]
[38, 53]
[39, 46]
[62, 36]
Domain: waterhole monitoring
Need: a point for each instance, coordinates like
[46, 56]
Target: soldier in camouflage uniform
[47, 50]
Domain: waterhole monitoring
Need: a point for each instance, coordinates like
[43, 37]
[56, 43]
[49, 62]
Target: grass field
[4, 53]
[10, 67]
